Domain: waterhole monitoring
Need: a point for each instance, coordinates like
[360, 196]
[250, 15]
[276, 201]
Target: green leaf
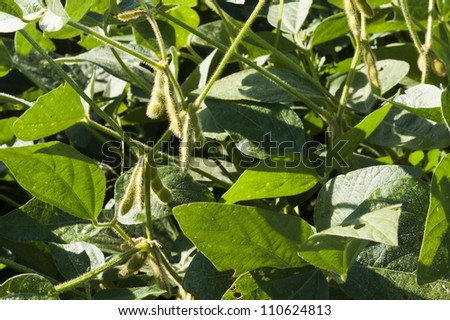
[27, 287]
[379, 226]
[390, 272]
[204, 281]
[139, 293]
[6, 130]
[104, 58]
[271, 180]
[53, 112]
[401, 128]
[188, 16]
[293, 17]
[435, 252]
[332, 253]
[11, 7]
[330, 28]
[305, 283]
[23, 47]
[390, 73]
[6, 63]
[253, 86]
[54, 18]
[9, 23]
[343, 194]
[243, 238]
[77, 258]
[445, 102]
[39, 221]
[423, 100]
[260, 131]
[59, 175]
[351, 139]
[245, 288]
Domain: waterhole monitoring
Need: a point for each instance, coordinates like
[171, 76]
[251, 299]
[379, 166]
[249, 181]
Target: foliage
[213, 150]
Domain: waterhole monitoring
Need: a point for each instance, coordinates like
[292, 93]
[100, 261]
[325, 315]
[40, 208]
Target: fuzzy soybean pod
[438, 67]
[365, 8]
[187, 138]
[135, 263]
[352, 18]
[372, 72]
[155, 107]
[133, 195]
[163, 194]
[172, 108]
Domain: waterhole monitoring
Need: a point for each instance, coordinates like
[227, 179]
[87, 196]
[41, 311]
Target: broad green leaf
[188, 16]
[76, 10]
[379, 226]
[204, 281]
[53, 112]
[330, 28]
[11, 7]
[39, 221]
[23, 47]
[372, 3]
[260, 131]
[272, 179]
[9, 23]
[445, 101]
[245, 288]
[390, 73]
[216, 30]
[434, 260]
[139, 293]
[187, 3]
[351, 139]
[77, 258]
[54, 18]
[251, 85]
[293, 16]
[343, 194]
[59, 175]
[305, 283]
[401, 128]
[423, 100]
[390, 272]
[104, 58]
[332, 253]
[243, 238]
[27, 287]
[6, 130]
[6, 63]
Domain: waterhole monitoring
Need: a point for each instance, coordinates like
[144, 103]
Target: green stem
[75, 86]
[163, 259]
[22, 269]
[143, 246]
[349, 81]
[118, 45]
[130, 73]
[423, 50]
[9, 201]
[428, 42]
[162, 47]
[120, 232]
[228, 55]
[280, 18]
[313, 106]
[12, 99]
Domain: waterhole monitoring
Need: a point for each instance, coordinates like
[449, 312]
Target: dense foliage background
[218, 149]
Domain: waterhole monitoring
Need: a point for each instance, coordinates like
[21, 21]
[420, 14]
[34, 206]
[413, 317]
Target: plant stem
[120, 232]
[9, 201]
[12, 99]
[313, 106]
[142, 246]
[228, 55]
[147, 198]
[349, 81]
[428, 42]
[162, 47]
[423, 50]
[280, 18]
[130, 73]
[86, 98]
[118, 45]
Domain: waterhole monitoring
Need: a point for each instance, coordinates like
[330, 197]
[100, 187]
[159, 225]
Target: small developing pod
[372, 72]
[365, 8]
[155, 107]
[160, 190]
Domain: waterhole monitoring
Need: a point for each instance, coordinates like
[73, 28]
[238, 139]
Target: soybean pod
[160, 190]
